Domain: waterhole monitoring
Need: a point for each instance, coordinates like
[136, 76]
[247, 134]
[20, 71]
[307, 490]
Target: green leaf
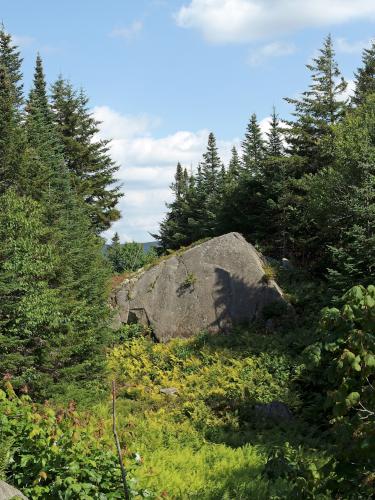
[352, 399]
[369, 360]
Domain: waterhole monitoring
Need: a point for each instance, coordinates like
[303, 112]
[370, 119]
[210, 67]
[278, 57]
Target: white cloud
[265, 125]
[275, 49]
[147, 166]
[349, 90]
[223, 21]
[128, 32]
[348, 47]
[23, 41]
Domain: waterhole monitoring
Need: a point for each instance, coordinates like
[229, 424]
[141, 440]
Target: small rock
[169, 391]
[275, 411]
[286, 264]
[7, 492]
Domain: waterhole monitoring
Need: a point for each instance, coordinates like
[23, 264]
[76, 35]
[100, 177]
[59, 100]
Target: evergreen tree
[253, 146]
[82, 272]
[208, 188]
[210, 167]
[11, 139]
[91, 168]
[234, 168]
[174, 230]
[342, 202]
[365, 76]
[44, 176]
[321, 107]
[275, 146]
[31, 308]
[11, 60]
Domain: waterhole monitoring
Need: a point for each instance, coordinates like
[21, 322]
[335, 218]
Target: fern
[6, 449]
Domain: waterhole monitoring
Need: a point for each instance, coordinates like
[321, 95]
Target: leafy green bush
[129, 256]
[58, 454]
[342, 365]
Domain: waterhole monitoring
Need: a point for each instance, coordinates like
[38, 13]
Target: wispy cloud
[351, 47]
[275, 49]
[128, 32]
[23, 41]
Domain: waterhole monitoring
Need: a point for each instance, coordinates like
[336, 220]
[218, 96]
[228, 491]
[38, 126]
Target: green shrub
[58, 454]
[341, 365]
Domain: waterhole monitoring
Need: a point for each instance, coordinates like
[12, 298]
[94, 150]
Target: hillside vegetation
[191, 414]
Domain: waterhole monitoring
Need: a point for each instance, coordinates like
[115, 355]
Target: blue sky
[161, 74]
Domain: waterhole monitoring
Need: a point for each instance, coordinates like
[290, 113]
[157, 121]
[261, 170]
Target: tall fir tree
[365, 77]
[11, 98]
[275, 145]
[234, 167]
[253, 146]
[11, 137]
[10, 59]
[174, 230]
[91, 168]
[82, 273]
[208, 186]
[31, 307]
[342, 201]
[44, 175]
[321, 106]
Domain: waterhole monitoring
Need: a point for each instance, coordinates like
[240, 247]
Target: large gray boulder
[211, 286]
[7, 492]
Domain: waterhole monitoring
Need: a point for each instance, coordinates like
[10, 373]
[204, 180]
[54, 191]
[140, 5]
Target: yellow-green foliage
[270, 273]
[200, 442]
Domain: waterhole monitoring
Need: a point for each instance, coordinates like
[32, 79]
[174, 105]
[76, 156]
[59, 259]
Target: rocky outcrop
[7, 492]
[211, 286]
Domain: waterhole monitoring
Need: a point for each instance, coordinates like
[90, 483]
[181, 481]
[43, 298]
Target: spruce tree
[274, 146]
[11, 138]
[208, 187]
[210, 166]
[82, 272]
[234, 166]
[342, 202]
[91, 168]
[365, 77]
[11, 60]
[321, 107]
[174, 231]
[31, 307]
[253, 146]
[44, 176]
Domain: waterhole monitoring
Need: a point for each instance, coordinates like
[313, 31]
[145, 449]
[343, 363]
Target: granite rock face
[7, 492]
[211, 286]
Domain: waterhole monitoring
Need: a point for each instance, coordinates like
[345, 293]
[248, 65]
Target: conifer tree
[210, 167]
[91, 168]
[174, 230]
[234, 166]
[11, 60]
[253, 146]
[275, 146]
[11, 139]
[321, 107]
[31, 307]
[365, 77]
[208, 187]
[44, 176]
[82, 273]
